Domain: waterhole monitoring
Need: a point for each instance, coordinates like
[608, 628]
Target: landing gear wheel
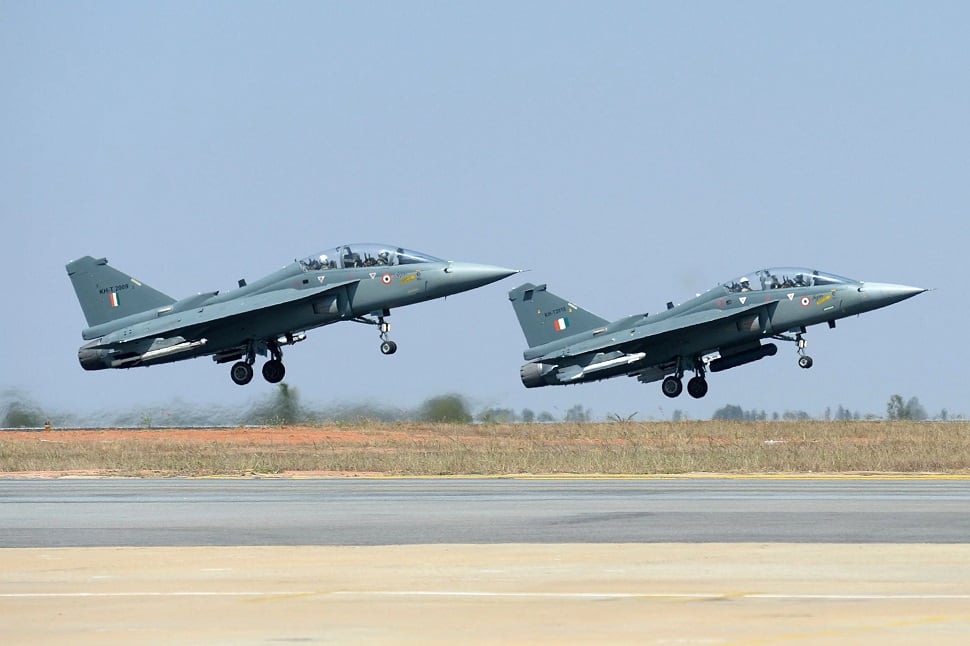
[805, 361]
[672, 386]
[388, 347]
[241, 373]
[273, 371]
[697, 387]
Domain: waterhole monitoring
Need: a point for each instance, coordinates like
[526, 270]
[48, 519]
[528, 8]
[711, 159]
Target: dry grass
[442, 449]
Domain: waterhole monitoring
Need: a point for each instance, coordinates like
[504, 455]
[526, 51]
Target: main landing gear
[673, 385]
[273, 370]
[241, 373]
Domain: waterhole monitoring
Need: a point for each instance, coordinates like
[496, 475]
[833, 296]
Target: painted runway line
[492, 594]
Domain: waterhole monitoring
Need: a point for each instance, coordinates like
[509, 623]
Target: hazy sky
[627, 154]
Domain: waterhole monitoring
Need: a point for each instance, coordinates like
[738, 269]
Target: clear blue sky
[626, 153]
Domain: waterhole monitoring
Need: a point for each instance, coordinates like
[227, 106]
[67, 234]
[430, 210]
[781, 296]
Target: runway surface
[709, 561]
[140, 513]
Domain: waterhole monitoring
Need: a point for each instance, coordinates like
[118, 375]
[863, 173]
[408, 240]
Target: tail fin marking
[545, 317]
[106, 294]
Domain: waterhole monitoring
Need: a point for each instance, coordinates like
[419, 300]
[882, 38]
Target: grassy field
[429, 449]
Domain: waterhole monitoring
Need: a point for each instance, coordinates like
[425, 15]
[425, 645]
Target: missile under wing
[723, 328]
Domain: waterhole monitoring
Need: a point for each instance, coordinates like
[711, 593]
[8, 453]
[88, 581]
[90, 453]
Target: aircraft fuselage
[720, 329]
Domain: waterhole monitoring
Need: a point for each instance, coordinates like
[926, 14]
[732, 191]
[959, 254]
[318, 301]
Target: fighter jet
[130, 324]
[719, 329]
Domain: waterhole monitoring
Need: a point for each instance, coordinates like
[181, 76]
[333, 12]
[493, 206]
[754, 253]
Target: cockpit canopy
[364, 255]
[784, 278]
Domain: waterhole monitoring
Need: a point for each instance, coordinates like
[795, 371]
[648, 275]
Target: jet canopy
[784, 278]
[364, 255]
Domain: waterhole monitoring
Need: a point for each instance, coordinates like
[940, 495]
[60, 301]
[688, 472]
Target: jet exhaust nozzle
[93, 358]
[534, 374]
[741, 358]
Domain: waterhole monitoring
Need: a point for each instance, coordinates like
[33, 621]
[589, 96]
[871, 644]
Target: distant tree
[897, 409]
[445, 408]
[545, 416]
[578, 414]
[527, 416]
[843, 414]
[730, 412]
[915, 410]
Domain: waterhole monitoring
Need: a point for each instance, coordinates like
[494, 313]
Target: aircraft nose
[891, 293]
[883, 294]
[471, 275]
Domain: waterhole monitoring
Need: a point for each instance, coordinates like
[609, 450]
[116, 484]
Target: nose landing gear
[804, 361]
[387, 346]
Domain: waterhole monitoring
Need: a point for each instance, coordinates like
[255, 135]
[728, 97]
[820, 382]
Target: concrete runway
[138, 513]
[484, 561]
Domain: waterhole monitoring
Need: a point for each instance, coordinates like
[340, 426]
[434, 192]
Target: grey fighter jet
[720, 329]
[131, 324]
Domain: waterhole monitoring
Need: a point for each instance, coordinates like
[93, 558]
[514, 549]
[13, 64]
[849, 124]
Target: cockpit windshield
[364, 255]
[784, 278]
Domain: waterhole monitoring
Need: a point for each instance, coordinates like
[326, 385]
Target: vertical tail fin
[107, 294]
[545, 317]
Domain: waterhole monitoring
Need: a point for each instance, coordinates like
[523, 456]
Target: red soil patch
[289, 435]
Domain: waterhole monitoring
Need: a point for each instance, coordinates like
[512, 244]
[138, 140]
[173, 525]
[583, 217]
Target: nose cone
[462, 276]
[875, 295]
[469, 275]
